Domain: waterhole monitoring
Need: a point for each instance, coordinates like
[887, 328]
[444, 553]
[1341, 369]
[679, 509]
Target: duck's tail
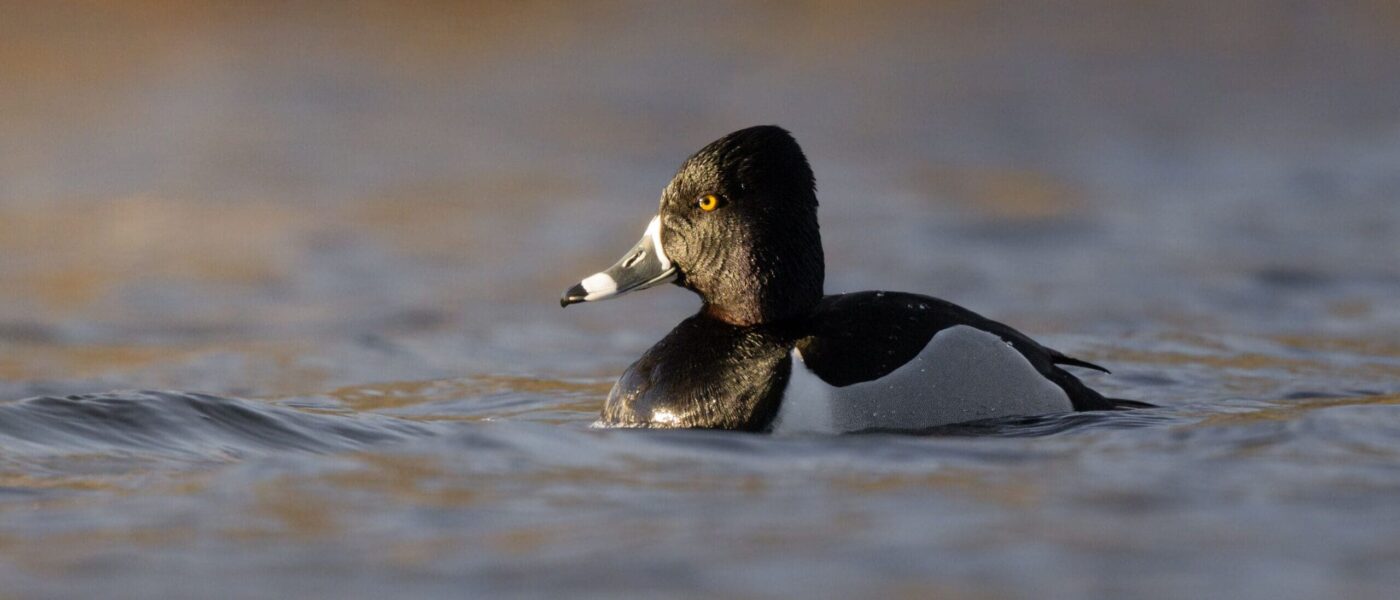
[1084, 397]
[1122, 404]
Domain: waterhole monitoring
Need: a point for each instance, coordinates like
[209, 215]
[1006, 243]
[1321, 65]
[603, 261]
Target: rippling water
[342, 231]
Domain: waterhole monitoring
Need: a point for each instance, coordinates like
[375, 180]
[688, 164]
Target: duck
[770, 351]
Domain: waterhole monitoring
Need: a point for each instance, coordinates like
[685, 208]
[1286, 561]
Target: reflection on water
[341, 229]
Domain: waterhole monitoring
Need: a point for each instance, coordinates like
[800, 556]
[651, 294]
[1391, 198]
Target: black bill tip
[573, 295]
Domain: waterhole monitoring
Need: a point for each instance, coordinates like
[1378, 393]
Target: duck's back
[890, 360]
[963, 374]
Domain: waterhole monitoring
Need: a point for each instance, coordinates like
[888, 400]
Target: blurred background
[222, 196]
[369, 209]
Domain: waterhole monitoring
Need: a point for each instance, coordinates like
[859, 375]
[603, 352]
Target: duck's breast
[963, 374]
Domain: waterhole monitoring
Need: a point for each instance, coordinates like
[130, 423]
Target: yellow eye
[709, 202]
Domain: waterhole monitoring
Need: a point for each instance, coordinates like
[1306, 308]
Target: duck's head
[738, 226]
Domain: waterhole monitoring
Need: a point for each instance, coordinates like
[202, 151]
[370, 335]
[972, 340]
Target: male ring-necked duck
[768, 351]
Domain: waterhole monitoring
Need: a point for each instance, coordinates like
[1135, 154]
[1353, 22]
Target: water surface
[340, 232]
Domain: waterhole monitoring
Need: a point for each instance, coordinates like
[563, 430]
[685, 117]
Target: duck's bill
[644, 266]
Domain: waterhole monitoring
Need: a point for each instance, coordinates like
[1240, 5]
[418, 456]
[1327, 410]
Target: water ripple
[184, 425]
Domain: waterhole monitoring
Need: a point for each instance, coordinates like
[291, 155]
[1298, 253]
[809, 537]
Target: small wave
[1045, 425]
[184, 424]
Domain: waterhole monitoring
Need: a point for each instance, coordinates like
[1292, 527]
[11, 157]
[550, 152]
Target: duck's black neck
[781, 283]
